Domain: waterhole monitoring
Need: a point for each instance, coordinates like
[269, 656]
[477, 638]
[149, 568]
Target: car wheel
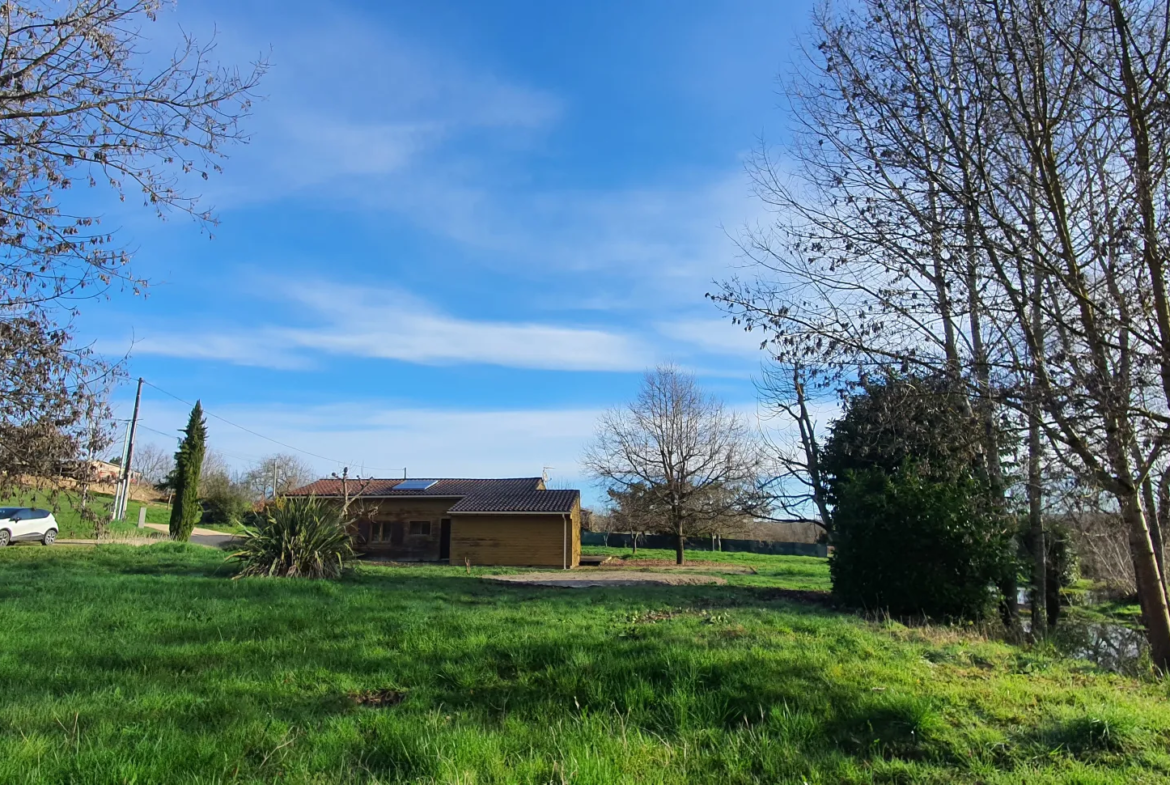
[50, 537]
[5, 537]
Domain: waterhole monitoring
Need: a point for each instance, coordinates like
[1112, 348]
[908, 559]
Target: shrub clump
[915, 528]
[910, 546]
[224, 501]
[296, 537]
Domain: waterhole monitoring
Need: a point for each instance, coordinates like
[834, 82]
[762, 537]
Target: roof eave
[383, 496]
[509, 512]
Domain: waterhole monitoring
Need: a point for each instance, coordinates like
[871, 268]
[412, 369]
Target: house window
[383, 531]
[420, 528]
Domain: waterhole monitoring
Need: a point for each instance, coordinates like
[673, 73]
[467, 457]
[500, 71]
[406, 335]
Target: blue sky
[460, 230]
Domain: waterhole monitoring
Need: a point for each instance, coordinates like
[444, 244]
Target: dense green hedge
[916, 529]
[911, 546]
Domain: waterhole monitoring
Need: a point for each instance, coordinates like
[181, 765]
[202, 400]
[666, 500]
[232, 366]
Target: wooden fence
[666, 542]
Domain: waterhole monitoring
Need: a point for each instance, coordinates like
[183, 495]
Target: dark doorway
[396, 533]
[445, 539]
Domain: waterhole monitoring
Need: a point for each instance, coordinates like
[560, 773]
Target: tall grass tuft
[296, 538]
[1107, 731]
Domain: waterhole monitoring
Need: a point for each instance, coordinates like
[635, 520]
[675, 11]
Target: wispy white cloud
[439, 138]
[238, 347]
[432, 138]
[349, 98]
[347, 149]
[715, 336]
[668, 235]
[390, 324]
[375, 438]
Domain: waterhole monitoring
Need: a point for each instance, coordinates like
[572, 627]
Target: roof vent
[414, 485]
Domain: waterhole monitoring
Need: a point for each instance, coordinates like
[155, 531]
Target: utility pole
[274, 478]
[130, 451]
[118, 485]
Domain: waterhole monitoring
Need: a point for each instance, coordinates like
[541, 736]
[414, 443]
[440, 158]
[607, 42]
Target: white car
[27, 523]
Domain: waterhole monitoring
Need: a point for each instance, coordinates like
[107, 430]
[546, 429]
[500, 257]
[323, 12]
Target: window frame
[429, 528]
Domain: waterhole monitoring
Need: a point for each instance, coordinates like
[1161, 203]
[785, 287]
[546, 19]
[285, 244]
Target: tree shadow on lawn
[220, 653]
[225, 652]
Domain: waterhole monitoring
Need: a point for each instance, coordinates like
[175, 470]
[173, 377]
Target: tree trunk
[1039, 595]
[1149, 581]
[1158, 523]
[680, 555]
[1052, 588]
[1150, 505]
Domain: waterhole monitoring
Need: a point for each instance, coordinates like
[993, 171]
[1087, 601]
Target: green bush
[913, 546]
[916, 528]
[223, 501]
[297, 537]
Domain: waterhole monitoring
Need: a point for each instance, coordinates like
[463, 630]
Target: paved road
[200, 536]
[214, 540]
[207, 537]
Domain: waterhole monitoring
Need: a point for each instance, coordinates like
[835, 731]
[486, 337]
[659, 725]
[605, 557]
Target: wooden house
[513, 522]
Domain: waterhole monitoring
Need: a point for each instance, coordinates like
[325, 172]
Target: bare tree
[352, 489]
[215, 465]
[276, 475]
[80, 104]
[53, 410]
[796, 486]
[84, 104]
[153, 463]
[981, 189]
[688, 458]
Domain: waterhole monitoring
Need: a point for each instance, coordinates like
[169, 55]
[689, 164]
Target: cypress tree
[185, 511]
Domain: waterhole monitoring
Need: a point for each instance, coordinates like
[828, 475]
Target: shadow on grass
[1104, 735]
[161, 637]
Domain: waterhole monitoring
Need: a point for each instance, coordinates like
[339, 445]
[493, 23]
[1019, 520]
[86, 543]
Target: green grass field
[151, 665]
[66, 509]
[790, 572]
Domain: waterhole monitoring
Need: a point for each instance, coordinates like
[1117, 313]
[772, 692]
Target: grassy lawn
[151, 665]
[66, 509]
[791, 572]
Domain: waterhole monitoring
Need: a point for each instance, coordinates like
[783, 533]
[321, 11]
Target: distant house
[513, 522]
[97, 471]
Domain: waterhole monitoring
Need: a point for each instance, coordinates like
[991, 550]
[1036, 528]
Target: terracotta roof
[509, 495]
[517, 501]
[444, 486]
[501, 496]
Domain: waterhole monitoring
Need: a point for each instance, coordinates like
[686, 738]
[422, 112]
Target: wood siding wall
[508, 540]
[515, 540]
[401, 511]
[575, 533]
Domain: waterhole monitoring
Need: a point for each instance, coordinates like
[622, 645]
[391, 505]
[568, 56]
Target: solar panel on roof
[414, 485]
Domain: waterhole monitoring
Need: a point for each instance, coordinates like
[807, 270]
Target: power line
[259, 435]
[155, 430]
[218, 451]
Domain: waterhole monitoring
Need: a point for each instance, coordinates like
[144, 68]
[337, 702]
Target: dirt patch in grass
[147, 540]
[583, 579]
[666, 564]
[378, 699]
[798, 595]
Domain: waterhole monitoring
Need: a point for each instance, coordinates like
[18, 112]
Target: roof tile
[444, 486]
[517, 501]
[507, 495]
